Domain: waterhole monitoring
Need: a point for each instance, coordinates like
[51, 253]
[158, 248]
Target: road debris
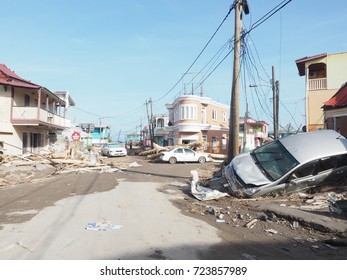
[336, 205]
[203, 193]
[251, 224]
[134, 164]
[271, 231]
[102, 226]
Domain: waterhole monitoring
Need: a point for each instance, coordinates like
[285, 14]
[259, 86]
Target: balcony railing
[30, 115]
[316, 84]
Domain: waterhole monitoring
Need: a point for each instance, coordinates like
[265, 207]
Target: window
[224, 116]
[224, 142]
[188, 152]
[160, 123]
[214, 114]
[214, 142]
[179, 151]
[26, 100]
[188, 112]
[275, 160]
[204, 139]
[203, 111]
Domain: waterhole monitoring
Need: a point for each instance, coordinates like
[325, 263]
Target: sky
[115, 55]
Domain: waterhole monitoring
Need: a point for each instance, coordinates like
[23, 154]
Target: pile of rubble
[16, 169]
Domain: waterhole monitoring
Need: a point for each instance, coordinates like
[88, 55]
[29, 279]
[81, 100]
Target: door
[189, 155]
[25, 142]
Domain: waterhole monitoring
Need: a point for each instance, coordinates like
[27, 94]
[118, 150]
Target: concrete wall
[336, 70]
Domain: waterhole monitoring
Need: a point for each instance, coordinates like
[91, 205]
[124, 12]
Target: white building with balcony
[30, 115]
[324, 74]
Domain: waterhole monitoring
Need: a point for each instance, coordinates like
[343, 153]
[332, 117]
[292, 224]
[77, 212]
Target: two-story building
[160, 133]
[195, 118]
[30, 114]
[252, 133]
[324, 74]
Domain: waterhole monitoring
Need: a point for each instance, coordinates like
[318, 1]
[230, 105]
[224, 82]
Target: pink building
[194, 118]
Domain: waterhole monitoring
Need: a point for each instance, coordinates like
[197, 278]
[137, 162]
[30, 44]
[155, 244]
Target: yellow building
[324, 75]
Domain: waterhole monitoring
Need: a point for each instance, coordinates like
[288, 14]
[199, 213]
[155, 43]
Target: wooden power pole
[275, 96]
[233, 149]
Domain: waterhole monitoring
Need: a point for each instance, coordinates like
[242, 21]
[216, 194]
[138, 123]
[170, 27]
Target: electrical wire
[190, 67]
[253, 26]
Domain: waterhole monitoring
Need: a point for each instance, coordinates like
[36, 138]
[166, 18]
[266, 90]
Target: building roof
[300, 63]
[338, 100]
[8, 77]
[65, 95]
[252, 121]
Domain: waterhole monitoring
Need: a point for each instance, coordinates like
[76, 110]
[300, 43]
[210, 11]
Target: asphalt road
[95, 216]
[158, 218]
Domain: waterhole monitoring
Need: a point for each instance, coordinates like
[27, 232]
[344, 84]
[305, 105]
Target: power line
[230, 9]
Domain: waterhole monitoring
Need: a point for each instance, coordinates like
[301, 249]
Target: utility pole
[149, 123]
[233, 149]
[152, 126]
[277, 86]
[275, 96]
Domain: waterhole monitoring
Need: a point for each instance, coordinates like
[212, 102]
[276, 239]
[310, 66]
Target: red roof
[338, 100]
[8, 77]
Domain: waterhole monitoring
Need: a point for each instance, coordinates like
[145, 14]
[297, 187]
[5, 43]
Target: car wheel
[202, 160]
[173, 160]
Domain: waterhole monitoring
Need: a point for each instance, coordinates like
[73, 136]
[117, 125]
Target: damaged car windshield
[274, 159]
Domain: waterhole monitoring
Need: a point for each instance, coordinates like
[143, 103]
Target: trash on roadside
[102, 226]
[295, 224]
[271, 231]
[338, 206]
[251, 223]
[310, 239]
[203, 193]
[134, 164]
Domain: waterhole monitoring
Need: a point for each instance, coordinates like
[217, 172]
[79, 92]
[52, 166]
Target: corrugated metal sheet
[8, 77]
[338, 100]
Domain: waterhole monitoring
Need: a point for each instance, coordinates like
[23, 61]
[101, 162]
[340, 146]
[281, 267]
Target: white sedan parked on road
[113, 149]
[184, 155]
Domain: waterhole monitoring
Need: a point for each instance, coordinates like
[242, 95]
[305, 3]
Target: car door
[303, 178]
[325, 171]
[190, 155]
[335, 168]
[179, 154]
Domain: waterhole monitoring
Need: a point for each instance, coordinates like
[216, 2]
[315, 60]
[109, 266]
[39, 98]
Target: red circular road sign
[76, 136]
